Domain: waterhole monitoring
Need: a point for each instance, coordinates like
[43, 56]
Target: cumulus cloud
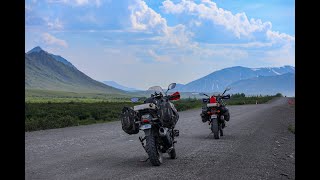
[49, 39]
[279, 37]
[238, 23]
[143, 18]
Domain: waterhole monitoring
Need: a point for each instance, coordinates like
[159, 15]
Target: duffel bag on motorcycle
[204, 115]
[166, 115]
[128, 118]
[225, 113]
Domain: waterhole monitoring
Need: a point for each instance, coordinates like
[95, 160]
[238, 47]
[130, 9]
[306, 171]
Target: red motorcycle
[214, 111]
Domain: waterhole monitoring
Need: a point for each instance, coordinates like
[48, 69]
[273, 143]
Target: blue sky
[144, 43]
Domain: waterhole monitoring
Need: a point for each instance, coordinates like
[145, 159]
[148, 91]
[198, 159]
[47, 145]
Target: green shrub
[291, 128]
[48, 115]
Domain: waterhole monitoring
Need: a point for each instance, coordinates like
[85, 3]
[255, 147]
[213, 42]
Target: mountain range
[254, 81]
[119, 86]
[46, 71]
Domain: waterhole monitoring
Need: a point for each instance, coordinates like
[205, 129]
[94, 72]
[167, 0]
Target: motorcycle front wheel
[153, 151]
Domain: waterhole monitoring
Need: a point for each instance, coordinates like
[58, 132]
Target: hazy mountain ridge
[44, 71]
[266, 85]
[218, 80]
[119, 86]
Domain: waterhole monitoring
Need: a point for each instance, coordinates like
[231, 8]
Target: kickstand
[144, 160]
[141, 140]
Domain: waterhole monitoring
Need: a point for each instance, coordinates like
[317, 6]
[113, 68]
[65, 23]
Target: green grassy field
[43, 112]
[44, 96]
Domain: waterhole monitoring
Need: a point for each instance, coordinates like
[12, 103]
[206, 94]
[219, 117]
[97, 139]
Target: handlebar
[226, 96]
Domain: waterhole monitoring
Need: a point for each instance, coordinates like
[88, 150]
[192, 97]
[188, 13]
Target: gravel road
[256, 145]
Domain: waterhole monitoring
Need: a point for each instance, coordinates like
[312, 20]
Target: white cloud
[226, 53]
[159, 58]
[81, 2]
[195, 23]
[55, 25]
[177, 36]
[145, 19]
[238, 23]
[282, 56]
[49, 39]
[277, 37]
[255, 44]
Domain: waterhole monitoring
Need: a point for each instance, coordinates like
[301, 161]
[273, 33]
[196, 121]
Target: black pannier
[128, 118]
[225, 113]
[204, 115]
[166, 115]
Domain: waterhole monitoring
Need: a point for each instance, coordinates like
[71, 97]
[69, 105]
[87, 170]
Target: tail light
[145, 120]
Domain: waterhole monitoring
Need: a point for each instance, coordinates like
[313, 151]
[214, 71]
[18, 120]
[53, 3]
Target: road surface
[256, 145]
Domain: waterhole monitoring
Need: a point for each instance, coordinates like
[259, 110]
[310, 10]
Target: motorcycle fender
[147, 132]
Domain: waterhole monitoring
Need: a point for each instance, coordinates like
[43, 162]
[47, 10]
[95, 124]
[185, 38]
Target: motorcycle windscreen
[156, 89]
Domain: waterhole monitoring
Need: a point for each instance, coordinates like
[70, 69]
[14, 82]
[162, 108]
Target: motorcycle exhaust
[163, 131]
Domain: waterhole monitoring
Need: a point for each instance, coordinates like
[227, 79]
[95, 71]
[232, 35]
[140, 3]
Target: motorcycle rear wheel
[215, 128]
[153, 151]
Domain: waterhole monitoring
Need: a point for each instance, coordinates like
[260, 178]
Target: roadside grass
[39, 116]
[44, 96]
[48, 113]
[291, 128]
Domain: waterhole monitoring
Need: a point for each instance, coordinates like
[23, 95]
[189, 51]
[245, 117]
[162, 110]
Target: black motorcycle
[214, 111]
[157, 117]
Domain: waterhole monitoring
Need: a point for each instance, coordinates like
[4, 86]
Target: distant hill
[118, 86]
[218, 80]
[178, 86]
[266, 85]
[46, 71]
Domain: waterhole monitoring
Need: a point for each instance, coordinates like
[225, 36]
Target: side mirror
[172, 85]
[135, 99]
[203, 94]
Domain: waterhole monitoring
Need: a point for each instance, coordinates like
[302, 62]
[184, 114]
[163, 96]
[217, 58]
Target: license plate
[145, 126]
[214, 116]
